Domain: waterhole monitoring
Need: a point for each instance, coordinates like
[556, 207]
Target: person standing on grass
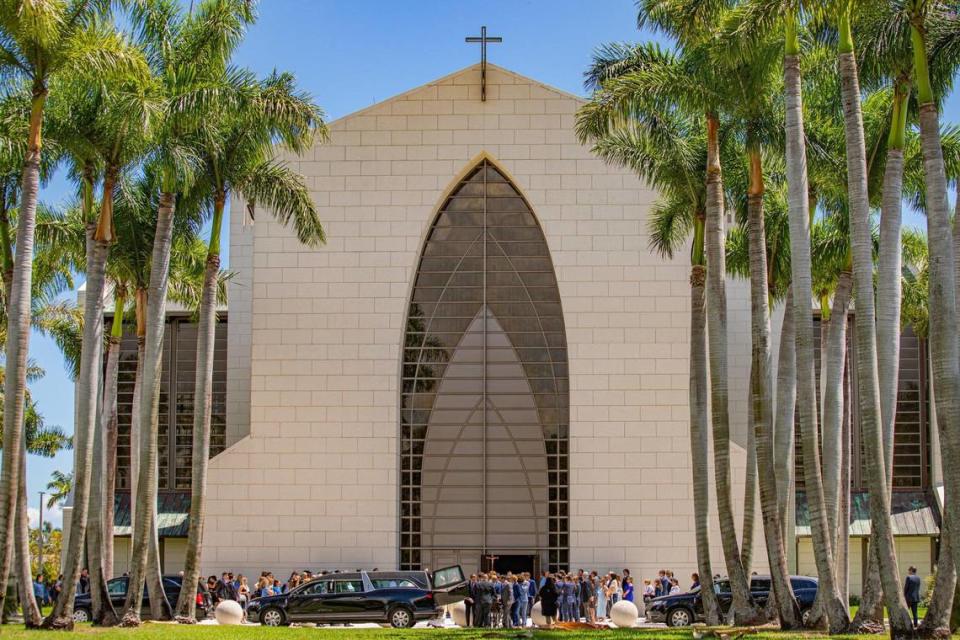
[470, 602]
[40, 590]
[601, 592]
[911, 592]
[548, 601]
[523, 599]
[628, 588]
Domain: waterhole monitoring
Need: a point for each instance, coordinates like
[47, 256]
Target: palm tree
[46, 441]
[832, 276]
[942, 276]
[52, 269]
[238, 154]
[915, 314]
[800, 222]
[189, 56]
[865, 321]
[691, 82]
[60, 486]
[669, 152]
[114, 122]
[41, 41]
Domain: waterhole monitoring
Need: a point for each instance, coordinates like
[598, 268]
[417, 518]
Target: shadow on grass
[167, 631]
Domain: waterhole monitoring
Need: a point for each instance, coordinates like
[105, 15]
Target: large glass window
[910, 453]
[175, 437]
[485, 393]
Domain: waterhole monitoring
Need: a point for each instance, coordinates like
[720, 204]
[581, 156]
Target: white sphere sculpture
[229, 612]
[536, 615]
[458, 611]
[624, 614]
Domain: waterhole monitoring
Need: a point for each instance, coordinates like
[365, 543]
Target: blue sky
[350, 54]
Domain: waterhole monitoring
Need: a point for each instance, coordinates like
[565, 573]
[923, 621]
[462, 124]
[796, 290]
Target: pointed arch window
[485, 392]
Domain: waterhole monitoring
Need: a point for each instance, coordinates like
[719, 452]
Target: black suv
[117, 588]
[399, 598]
[683, 609]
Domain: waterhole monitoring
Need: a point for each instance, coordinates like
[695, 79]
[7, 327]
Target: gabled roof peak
[493, 71]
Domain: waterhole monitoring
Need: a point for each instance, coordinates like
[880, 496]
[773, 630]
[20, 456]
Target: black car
[683, 609]
[399, 598]
[117, 588]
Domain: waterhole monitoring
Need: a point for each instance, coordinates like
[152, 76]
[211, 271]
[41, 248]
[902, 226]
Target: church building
[485, 365]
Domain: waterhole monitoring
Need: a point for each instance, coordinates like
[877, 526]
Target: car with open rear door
[397, 598]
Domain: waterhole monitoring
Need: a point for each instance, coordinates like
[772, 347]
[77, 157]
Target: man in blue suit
[911, 592]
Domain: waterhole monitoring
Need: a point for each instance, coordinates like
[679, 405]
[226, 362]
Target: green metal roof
[914, 513]
[173, 514]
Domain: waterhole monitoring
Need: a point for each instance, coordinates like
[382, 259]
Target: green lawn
[179, 632]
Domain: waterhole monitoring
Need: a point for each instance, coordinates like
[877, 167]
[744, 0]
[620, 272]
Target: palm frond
[283, 192]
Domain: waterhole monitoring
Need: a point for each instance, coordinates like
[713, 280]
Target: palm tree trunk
[144, 529]
[102, 609]
[18, 339]
[762, 400]
[108, 422]
[889, 275]
[936, 456]
[748, 531]
[867, 368]
[833, 405]
[31, 612]
[203, 400]
[888, 326]
[87, 393]
[937, 621]
[799, 213]
[140, 306]
[699, 440]
[942, 300]
[159, 605]
[843, 522]
[742, 609]
[786, 415]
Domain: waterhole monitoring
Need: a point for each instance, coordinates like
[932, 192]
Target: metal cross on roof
[483, 40]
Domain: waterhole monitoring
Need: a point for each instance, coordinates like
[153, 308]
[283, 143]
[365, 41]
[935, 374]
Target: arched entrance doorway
[484, 415]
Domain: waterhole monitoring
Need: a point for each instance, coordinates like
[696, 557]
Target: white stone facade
[311, 477]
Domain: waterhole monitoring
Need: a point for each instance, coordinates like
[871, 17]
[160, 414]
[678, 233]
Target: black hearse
[399, 598]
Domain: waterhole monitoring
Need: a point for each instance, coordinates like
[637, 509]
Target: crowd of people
[238, 588]
[47, 591]
[506, 600]
[493, 600]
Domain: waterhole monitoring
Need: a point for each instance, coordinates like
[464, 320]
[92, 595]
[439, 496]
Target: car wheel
[679, 617]
[272, 617]
[401, 618]
[805, 616]
[81, 615]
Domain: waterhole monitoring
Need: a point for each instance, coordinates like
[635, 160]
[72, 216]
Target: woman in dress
[628, 589]
[613, 591]
[548, 601]
[243, 592]
[601, 598]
